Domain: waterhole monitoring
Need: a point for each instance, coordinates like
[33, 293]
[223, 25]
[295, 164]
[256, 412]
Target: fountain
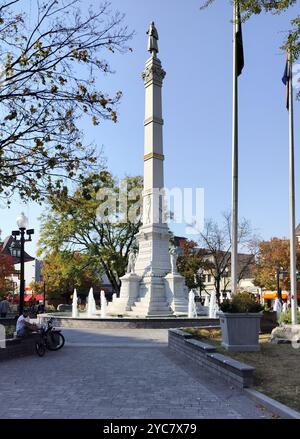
[206, 301]
[102, 318]
[192, 310]
[213, 306]
[74, 305]
[103, 304]
[91, 305]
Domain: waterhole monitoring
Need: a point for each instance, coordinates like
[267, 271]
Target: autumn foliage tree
[6, 270]
[51, 59]
[274, 255]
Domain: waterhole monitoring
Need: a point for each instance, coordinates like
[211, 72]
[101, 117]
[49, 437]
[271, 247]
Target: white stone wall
[31, 273]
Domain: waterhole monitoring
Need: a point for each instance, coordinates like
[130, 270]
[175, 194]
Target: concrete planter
[240, 331]
[268, 321]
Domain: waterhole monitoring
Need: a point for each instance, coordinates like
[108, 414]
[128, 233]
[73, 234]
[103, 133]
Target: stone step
[152, 314]
[159, 293]
[164, 308]
[143, 303]
[148, 301]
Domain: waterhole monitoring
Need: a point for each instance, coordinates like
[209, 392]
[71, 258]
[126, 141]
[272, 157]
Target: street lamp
[225, 275]
[18, 251]
[279, 276]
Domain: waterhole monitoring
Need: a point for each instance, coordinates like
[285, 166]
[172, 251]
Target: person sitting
[24, 327]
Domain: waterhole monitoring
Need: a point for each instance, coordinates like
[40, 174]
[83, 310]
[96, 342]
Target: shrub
[241, 302]
[9, 331]
[287, 317]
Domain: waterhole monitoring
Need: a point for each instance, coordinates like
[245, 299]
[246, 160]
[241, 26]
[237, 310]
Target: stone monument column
[153, 261]
[153, 236]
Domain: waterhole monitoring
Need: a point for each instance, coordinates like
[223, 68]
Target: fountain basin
[65, 320]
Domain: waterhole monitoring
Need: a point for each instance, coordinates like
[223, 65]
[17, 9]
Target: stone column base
[128, 294]
[175, 292]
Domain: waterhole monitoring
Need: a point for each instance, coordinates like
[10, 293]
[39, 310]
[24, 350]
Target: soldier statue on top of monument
[153, 37]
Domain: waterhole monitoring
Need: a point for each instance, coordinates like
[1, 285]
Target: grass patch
[277, 367]
[212, 336]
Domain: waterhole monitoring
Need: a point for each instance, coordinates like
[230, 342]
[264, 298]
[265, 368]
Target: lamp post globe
[22, 221]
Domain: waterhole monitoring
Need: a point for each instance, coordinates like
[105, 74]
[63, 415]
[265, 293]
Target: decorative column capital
[153, 73]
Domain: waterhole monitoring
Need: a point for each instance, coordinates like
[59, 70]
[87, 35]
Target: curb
[276, 407]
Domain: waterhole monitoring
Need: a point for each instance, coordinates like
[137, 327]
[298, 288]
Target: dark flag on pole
[239, 43]
[285, 80]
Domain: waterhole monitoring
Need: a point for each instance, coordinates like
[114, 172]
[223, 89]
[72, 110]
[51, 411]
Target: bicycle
[49, 338]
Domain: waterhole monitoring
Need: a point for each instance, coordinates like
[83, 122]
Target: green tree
[63, 271]
[51, 60]
[189, 263]
[87, 222]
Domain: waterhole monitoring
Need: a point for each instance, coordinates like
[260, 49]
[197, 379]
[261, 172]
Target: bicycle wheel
[55, 341]
[40, 348]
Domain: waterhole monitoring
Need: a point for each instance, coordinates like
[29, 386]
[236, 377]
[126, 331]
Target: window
[16, 252]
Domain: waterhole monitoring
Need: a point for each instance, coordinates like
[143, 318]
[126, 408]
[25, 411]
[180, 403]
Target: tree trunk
[217, 285]
[114, 282]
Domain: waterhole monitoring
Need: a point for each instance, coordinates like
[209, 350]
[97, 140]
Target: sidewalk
[116, 374]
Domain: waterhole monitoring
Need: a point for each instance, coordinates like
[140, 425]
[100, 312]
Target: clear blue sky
[196, 52]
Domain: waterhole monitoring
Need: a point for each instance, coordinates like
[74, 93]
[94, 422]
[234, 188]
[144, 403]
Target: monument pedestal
[153, 240]
[175, 291]
[152, 298]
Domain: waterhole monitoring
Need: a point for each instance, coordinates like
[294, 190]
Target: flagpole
[293, 273]
[234, 206]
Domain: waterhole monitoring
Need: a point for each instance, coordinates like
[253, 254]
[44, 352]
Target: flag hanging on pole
[239, 43]
[285, 80]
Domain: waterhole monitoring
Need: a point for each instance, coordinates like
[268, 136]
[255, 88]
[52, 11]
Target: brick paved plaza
[116, 374]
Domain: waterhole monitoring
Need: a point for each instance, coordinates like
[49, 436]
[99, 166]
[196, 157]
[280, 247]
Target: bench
[18, 347]
[205, 355]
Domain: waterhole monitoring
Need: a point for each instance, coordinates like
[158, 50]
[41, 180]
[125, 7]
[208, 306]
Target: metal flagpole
[234, 208]
[293, 273]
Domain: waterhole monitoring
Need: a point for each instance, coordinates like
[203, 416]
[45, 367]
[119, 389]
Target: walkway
[112, 374]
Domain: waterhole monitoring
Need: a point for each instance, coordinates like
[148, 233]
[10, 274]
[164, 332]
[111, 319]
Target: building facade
[245, 263]
[32, 266]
